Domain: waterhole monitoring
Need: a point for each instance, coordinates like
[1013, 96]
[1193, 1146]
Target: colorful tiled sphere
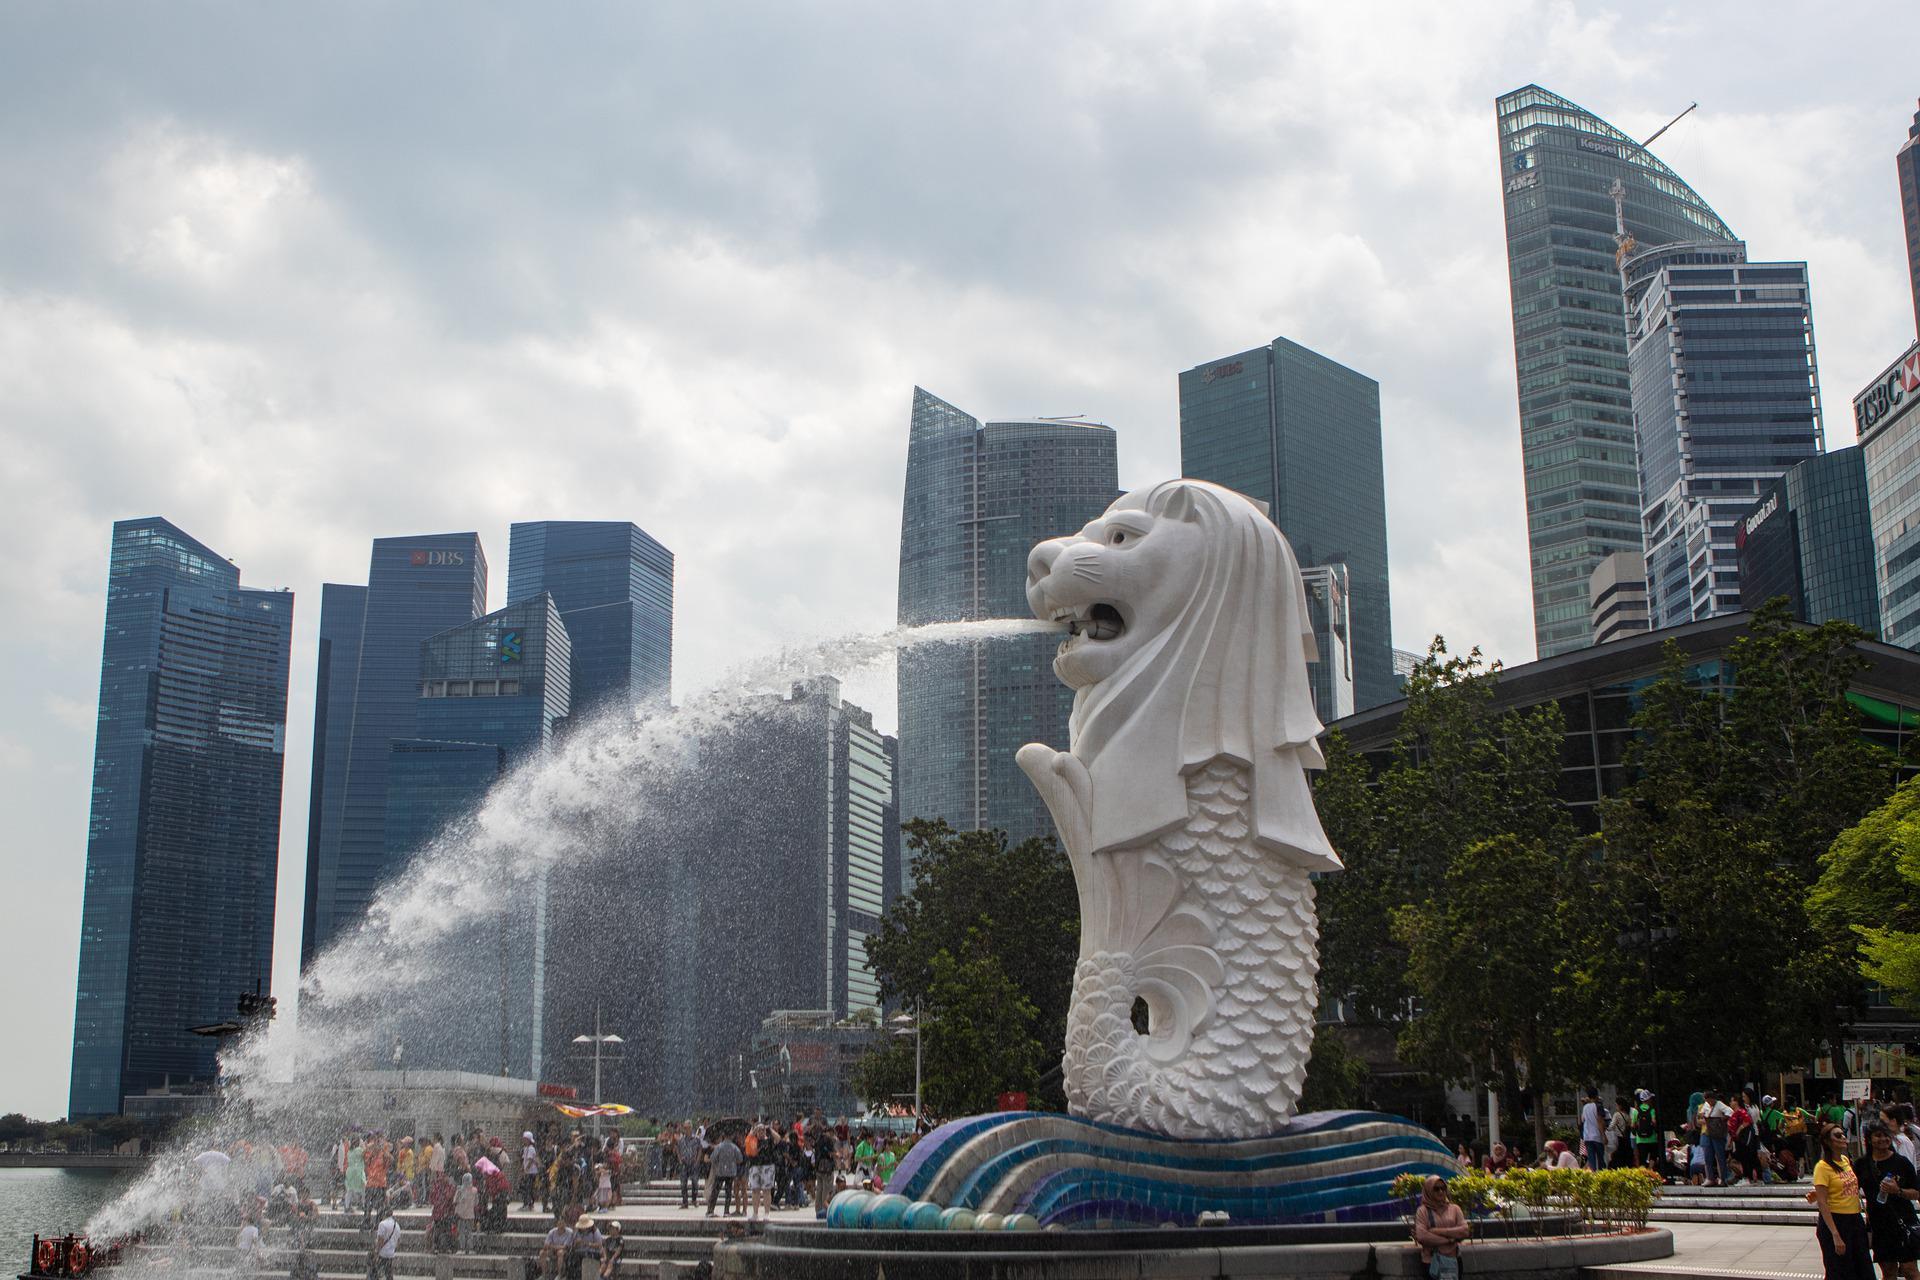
[1020, 1222]
[923, 1215]
[989, 1222]
[844, 1211]
[956, 1219]
[885, 1213]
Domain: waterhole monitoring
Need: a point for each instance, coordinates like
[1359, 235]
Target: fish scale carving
[1212, 1089]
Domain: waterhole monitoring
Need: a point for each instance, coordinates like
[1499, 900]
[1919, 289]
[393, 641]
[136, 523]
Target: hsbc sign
[1889, 395]
[421, 559]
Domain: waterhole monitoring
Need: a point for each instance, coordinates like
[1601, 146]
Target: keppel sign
[1888, 395]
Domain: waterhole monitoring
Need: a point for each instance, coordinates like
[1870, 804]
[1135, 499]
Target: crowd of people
[1717, 1140]
[467, 1184]
[754, 1170]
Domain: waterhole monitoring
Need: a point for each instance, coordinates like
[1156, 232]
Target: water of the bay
[47, 1201]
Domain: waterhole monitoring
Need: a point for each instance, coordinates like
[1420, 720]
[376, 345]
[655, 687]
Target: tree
[1484, 951]
[1008, 914]
[1336, 1076]
[1460, 773]
[1696, 954]
[977, 1038]
[1869, 888]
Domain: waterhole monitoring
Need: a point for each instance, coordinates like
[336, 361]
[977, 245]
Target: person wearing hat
[529, 1168]
[613, 1247]
[586, 1248]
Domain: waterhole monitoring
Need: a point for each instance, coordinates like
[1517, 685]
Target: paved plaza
[1733, 1249]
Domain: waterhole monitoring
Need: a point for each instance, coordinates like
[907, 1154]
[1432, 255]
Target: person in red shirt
[379, 1160]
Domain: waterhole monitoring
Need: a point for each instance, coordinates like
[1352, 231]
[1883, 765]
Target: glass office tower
[1331, 675]
[491, 693]
[979, 495]
[1726, 397]
[1810, 538]
[1558, 163]
[343, 612]
[1887, 416]
[1301, 433]
[614, 586]
[1907, 161]
[416, 587]
[183, 839]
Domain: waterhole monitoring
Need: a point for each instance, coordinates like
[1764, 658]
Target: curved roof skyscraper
[1558, 164]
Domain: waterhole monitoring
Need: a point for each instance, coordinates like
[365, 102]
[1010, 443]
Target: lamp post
[597, 1039]
[901, 1022]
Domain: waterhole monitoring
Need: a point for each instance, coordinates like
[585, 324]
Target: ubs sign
[1888, 395]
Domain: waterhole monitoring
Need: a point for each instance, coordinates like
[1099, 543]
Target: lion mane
[1230, 673]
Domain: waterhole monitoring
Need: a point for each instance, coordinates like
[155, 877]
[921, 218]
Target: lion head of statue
[1188, 640]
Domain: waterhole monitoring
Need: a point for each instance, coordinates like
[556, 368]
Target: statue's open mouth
[1093, 622]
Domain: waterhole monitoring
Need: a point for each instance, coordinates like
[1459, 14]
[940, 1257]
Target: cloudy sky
[294, 277]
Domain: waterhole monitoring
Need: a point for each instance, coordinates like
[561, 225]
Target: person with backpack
[1646, 1131]
[1891, 1188]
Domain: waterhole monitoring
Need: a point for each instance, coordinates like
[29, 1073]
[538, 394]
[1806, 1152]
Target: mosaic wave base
[1329, 1166]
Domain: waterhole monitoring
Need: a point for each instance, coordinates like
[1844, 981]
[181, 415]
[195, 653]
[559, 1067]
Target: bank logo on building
[510, 646]
[419, 559]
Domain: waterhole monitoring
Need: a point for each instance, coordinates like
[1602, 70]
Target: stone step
[1748, 1217]
[1768, 1190]
[1669, 1271]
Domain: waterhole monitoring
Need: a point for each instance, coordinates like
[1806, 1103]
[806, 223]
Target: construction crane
[1623, 242]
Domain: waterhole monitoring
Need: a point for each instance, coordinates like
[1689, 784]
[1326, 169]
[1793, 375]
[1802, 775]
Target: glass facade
[1301, 433]
[1810, 538]
[1887, 416]
[183, 837]
[760, 862]
[978, 497]
[1558, 163]
[614, 586]
[1600, 689]
[343, 612]
[1907, 162]
[1726, 397]
[417, 587]
[1331, 674]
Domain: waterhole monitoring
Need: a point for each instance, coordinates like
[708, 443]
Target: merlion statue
[1184, 806]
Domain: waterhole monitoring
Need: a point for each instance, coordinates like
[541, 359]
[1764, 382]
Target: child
[466, 1204]
[603, 1186]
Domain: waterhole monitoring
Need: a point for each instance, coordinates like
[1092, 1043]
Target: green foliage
[1460, 774]
[977, 1038]
[1869, 887]
[1483, 951]
[990, 933]
[1612, 1198]
[1711, 852]
[1336, 1076]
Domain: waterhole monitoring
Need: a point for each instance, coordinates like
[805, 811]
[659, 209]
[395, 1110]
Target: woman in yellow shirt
[1842, 1231]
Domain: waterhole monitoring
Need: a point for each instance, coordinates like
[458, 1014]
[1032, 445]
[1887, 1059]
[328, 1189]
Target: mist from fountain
[412, 963]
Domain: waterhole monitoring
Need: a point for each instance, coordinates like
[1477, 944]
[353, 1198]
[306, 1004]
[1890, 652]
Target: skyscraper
[491, 692]
[1328, 613]
[779, 826]
[614, 586]
[416, 587]
[1726, 397]
[1558, 163]
[1907, 161]
[343, 612]
[1810, 538]
[1301, 433]
[979, 495]
[183, 839]
[1887, 415]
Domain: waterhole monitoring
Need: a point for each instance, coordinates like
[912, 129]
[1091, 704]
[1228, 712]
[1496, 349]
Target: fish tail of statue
[1219, 939]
